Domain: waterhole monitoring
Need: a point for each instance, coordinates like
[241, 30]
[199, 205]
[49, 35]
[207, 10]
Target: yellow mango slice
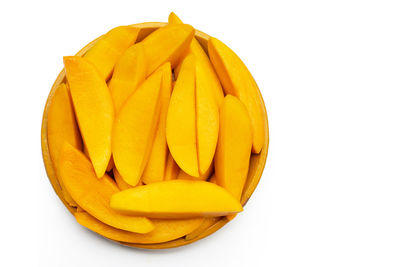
[164, 230]
[122, 185]
[110, 165]
[93, 194]
[204, 69]
[171, 169]
[62, 127]
[176, 199]
[129, 72]
[234, 146]
[155, 167]
[209, 96]
[181, 124]
[205, 224]
[203, 177]
[207, 122]
[94, 109]
[167, 44]
[238, 81]
[109, 48]
[135, 127]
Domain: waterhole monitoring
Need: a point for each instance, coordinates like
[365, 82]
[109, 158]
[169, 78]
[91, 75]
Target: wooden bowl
[257, 162]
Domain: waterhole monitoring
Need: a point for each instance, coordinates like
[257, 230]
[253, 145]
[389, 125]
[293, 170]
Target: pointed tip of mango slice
[173, 18]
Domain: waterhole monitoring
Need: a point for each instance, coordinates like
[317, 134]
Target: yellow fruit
[94, 109]
[62, 127]
[164, 230]
[181, 124]
[176, 199]
[156, 164]
[109, 48]
[93, 194]
[134, 129]
[238, 81]
[129, 73]
[234, 146]
[167, 44]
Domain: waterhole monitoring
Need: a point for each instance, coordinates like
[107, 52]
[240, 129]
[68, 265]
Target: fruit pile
[151, 134]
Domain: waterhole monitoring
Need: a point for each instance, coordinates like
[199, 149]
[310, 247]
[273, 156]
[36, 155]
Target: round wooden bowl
[257, 162]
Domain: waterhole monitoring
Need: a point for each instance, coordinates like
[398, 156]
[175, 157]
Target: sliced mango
[135, 127]
[122, 185]
[181, 124]
[204, 70]
[171, 169]
[234, 146]
[203, 177]
[164, 230]
[62, 127]
[94, 109]
[176, 199]
[167, 44]
[207, 121]
[110, 165]
[155, 167]
[129, 72]
[93, 194]
[238, 81]
[109, 48]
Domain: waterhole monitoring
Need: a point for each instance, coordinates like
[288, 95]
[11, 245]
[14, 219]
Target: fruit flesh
[62, 127]
[234, 147]
[176, 199]
[94, 109]
[109, 48]
[129, 73]
[205, 71]
[238, 81]
[155, 168]
[134, 129]
[93, 194]
[167, 44]
[164, 230]
[181, 124]
[171, 169]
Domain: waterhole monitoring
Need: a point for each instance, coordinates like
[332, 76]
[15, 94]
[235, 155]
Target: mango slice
[238, 81]
[94, 109]
[135, 127]
[181, 124]
[122, 185]
[62, 127]
[234, 146]
[155, 167]
[93, 194]
[207, 121]
[209, 96]
[171, 169]
[167, 44]
[129, 72]
[164, 230]
[204, 70]
[109, 48]
[203, 177]
[176, 199]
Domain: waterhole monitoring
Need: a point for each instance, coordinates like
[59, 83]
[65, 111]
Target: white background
[329, 72]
